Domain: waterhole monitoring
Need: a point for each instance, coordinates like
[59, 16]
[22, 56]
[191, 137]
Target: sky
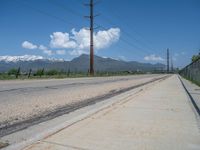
[130, 30]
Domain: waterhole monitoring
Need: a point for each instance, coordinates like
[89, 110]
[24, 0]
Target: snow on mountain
[15, 59]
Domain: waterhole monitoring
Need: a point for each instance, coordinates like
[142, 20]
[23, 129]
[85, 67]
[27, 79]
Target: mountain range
[80, 63]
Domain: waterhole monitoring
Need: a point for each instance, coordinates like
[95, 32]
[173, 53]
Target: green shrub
[39, 72]
[12, 71]
[52, 72]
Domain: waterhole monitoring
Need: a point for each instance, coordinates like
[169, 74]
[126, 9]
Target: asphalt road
[159, 117]
[30, 100]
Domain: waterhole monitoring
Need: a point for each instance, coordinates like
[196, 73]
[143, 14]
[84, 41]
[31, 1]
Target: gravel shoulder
[29, 102]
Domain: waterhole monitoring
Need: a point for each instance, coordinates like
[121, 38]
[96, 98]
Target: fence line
[192, 71]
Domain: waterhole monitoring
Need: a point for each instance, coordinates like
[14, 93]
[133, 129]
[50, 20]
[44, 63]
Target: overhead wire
[80, 15]
[44, 12]
[130, 35]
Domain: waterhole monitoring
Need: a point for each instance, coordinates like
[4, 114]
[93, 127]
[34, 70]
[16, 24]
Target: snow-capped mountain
[24, 58]
[20, 58]
[80, 63]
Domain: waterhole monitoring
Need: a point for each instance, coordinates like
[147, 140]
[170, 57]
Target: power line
[56, 3]
[127, 33]
[124, 31]
[125, 41]
[44, 13]
[79, 15]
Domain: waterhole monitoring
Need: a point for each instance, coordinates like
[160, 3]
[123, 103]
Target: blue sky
[147, 28]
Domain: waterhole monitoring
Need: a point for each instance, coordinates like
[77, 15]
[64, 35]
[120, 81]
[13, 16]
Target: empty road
[159, 117]
[23, 103]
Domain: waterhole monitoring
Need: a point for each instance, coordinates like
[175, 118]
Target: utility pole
[91, 17]
[91, 38]
[172, 65]
[167, 60]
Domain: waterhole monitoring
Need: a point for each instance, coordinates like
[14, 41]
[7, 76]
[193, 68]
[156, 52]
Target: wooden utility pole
[91, 38]
[172, 65]
[167, 60]
[91, 17]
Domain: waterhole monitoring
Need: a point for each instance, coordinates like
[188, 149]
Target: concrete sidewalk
[158, 118]
[194, 91]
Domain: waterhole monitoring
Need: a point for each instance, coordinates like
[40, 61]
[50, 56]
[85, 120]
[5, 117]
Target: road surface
[161, 117]
[24, 103]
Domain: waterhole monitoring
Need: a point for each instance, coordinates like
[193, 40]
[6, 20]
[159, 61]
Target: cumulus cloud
[79, 41]
[61, 40]
[61, 52]
[45, 50]
[76, 42]
[153, 57]
[106, 38]
[28, 45]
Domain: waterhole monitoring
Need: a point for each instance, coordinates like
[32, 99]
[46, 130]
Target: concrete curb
[190, 96]
[74, 120]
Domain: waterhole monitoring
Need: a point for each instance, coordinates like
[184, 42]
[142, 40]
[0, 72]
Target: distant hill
[80, 63]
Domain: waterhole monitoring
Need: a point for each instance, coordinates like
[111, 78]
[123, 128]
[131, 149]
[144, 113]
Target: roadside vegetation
[191, 80]
[196, 57]
[16, 73]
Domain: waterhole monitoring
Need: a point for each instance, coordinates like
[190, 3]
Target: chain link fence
[192, 72]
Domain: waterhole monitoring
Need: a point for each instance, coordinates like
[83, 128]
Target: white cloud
[104, 39]
[79, 41]
[153, 57]
[8, 58]
[122, 58]
[77, 52]
[28, 45]
[61, 40]
[45, 50]
[61, 52]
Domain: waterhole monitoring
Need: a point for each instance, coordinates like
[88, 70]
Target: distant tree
[68, 72]
[29, 74]
[18, 72]
[195, 57]
[52, 72]
[12, 71]
[40, 72]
